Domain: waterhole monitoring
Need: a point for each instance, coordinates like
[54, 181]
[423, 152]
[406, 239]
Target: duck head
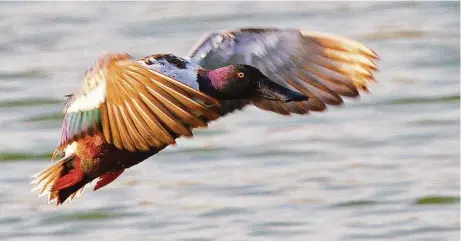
[244, 82]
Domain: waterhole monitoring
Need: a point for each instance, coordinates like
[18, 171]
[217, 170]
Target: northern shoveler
[128, 110]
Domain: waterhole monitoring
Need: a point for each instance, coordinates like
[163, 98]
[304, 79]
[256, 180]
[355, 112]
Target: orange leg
[107, 178]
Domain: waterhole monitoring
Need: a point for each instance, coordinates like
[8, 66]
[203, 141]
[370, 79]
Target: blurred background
[385, 166]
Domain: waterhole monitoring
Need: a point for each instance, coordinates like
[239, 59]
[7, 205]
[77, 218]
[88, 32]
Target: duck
[129, 109]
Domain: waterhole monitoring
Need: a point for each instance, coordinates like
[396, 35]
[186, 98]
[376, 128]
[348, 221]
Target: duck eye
[240, 75]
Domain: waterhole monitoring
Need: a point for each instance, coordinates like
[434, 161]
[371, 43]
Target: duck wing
[323, 67]
[134, 107]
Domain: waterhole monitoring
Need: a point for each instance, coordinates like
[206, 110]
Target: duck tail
[61, 180]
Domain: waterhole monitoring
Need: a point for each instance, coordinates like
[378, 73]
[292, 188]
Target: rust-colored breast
[99, 157]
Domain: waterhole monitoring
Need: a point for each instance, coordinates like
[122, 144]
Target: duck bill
[270, 90]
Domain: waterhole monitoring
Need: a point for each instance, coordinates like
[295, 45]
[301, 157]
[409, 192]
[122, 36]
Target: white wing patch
[187, 75]
[70, 149]
[90, 101]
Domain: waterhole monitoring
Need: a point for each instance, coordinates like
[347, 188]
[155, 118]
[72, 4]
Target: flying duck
[130, 109]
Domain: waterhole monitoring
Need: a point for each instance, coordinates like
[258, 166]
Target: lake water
[384, 167]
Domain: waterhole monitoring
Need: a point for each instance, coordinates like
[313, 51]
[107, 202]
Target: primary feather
[323, 67]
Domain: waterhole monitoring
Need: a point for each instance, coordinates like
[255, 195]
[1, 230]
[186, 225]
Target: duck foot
[107, 178]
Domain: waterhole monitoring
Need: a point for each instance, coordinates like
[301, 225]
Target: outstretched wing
[321, 66]
[135, 108]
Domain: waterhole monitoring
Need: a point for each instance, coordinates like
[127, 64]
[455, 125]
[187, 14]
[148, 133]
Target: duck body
[92, 156]
[130, 109]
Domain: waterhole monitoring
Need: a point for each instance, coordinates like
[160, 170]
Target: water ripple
[384, 166]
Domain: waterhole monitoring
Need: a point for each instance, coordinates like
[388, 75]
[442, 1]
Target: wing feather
[339, 43]
[172, 89]
[135, 108]
[136, 137]
[168, 96]
[105, 122]
[321, 66]
[156, 108]
[112, 115]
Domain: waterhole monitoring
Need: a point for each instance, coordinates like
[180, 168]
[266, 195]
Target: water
[385, 167]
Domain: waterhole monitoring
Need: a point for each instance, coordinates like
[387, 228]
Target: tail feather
[77, 193]
[45, 179]
[61, 180]
[67, 193]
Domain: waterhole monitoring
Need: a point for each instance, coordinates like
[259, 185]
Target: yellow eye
[240, 75]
